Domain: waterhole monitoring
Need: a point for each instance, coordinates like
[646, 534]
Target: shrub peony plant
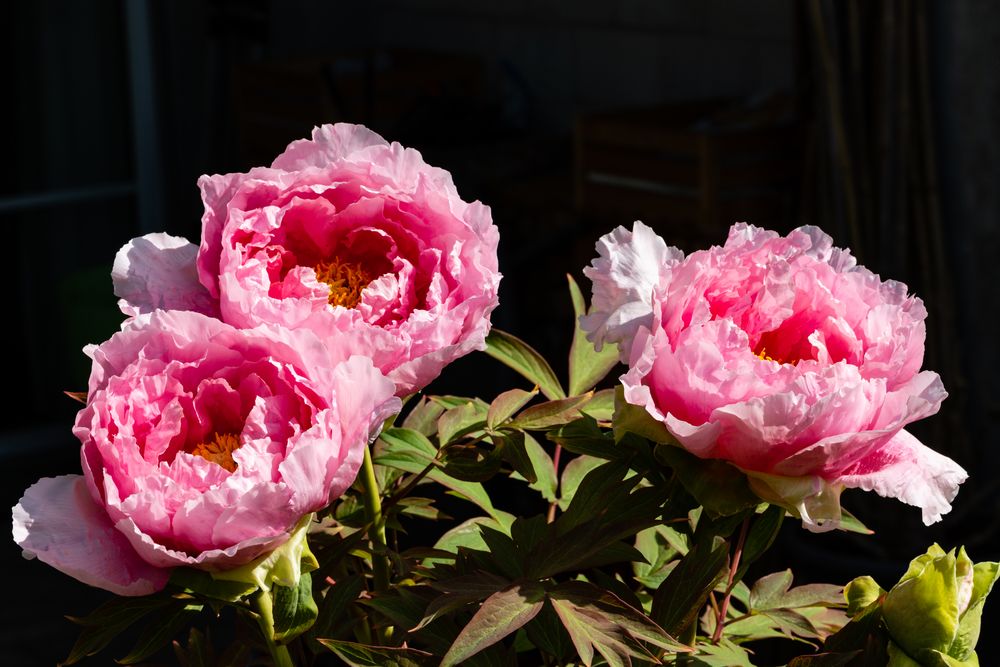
[235, 501]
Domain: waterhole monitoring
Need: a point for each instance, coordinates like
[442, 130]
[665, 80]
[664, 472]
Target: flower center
[764, 355]
[346, 280]
[219, 450]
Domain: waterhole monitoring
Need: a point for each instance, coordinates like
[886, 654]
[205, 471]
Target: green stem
[376, 532]
[279, 654]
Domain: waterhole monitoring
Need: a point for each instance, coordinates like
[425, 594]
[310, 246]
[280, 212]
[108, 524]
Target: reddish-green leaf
[551, 413]
[362, 655]
[506, 404]
[500, 615]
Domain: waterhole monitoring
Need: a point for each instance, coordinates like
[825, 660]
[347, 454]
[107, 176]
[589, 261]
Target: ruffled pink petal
[328, 144]
[58, 522]
[905, 469]
[318, 468]
[216, 193]
[159, 271]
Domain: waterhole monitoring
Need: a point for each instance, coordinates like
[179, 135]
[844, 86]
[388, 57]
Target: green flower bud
[933, 614]
[861, 593]
[283, 566]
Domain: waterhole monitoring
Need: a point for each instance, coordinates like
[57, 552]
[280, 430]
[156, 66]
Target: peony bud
[933, 614]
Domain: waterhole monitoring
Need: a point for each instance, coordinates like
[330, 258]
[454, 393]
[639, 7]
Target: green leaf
[587, 596]
[156, 635]
[551, 413]
[864, 634]
[424, 416]
[630, 418]
[294, 609]
[362, 655]
[584, 436]
[813, 595]
[547, 483]
[111, 619]
[412, 452]
[500, 615]
[503, 555]
[792, 622]
[723, 654]
[467, 534]
[601, 406]
[572, 475]
[527, 533]
[460, 421]
[459, 592]
[597, 620]
[547, 633]
[719, 487]
[760, 537]
[470, 462]
[335, 604]
[506, 404]
[657, 545]
[681, 596]
[851, 524]
[512, 448]
[587, 366]
[768, 591]
[406, 446]
[604, 511]
[515, 353]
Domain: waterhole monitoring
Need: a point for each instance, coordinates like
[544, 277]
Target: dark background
[875, 120]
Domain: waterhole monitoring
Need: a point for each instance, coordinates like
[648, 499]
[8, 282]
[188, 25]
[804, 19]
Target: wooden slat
[644, 165]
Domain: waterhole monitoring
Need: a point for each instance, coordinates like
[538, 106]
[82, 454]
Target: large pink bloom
[346, 234]
[203, 446]
[781, 356]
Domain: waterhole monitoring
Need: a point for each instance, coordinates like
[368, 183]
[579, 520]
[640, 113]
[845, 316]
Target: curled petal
[632, 265]
[158, 271]
[907, 470]
[58, 522]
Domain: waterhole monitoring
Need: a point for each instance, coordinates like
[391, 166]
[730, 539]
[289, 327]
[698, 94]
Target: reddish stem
[731, 583]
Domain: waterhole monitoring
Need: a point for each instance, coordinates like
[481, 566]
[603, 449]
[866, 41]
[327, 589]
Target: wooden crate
[690, 170]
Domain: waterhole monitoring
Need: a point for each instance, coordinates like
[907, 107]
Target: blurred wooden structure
[690, 169]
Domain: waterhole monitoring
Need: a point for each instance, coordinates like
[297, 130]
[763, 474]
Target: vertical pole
[145, 136]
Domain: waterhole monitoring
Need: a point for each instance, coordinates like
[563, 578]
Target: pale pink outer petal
[631, 266]
[909, 471]
[58, 522]
[329, 143]
[159, 271]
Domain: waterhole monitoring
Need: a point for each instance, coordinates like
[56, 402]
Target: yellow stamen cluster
[346, 281]
[763, 355]
[219, 449]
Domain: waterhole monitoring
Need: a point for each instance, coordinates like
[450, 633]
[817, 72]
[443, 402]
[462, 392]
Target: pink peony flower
[781, 356]
[345, 234]
[203, 446]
